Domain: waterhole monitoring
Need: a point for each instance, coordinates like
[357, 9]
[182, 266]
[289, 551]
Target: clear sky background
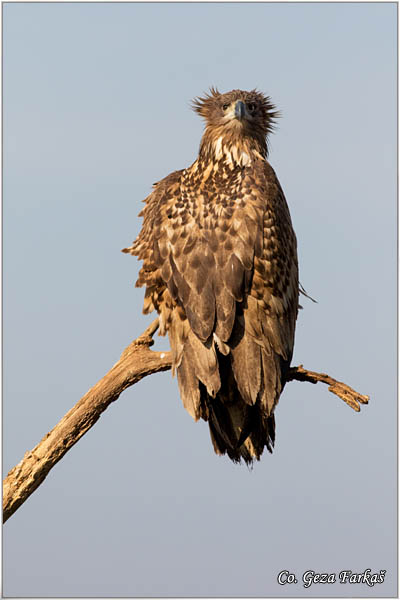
[96, 108]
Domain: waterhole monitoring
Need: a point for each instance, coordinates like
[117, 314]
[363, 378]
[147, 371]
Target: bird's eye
[251, 106]
[225, 106]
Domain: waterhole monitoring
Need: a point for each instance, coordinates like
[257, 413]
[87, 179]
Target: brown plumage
[220, 267]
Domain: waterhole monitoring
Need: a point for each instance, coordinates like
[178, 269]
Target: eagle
[220, 267]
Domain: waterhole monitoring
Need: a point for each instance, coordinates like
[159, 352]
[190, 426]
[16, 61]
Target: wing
[188, 259]
[275, 287]
[263, 339]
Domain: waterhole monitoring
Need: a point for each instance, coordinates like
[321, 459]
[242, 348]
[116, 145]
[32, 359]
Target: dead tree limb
[136, 361]
[345, 392]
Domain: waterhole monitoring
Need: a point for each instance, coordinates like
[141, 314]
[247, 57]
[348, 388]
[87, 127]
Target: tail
[237, 429]
[234, 387]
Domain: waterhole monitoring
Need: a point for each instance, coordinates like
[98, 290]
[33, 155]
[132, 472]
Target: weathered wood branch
[136, 361]
[344, 391]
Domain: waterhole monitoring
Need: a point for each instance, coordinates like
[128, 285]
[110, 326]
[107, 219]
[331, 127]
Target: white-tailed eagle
[220, 267]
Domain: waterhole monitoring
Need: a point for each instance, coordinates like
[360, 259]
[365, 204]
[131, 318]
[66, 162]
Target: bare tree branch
[137, 361]
[345, 392]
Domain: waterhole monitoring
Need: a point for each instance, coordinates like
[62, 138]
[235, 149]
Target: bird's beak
[240, 110]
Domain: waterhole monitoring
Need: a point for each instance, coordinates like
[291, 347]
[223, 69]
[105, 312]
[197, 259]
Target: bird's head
[237, 123]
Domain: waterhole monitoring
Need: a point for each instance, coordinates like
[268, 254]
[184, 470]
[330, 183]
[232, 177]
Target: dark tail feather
[256, 435]
[236, 428]
[241, 425]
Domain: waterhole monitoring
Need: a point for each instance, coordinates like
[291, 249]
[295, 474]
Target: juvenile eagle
[220, 267]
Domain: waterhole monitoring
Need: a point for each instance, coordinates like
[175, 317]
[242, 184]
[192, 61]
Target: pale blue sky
[95, 109]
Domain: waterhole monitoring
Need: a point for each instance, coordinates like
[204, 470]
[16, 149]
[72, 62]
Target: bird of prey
[220, 267]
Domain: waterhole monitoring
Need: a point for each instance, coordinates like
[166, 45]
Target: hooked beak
[239, 110]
